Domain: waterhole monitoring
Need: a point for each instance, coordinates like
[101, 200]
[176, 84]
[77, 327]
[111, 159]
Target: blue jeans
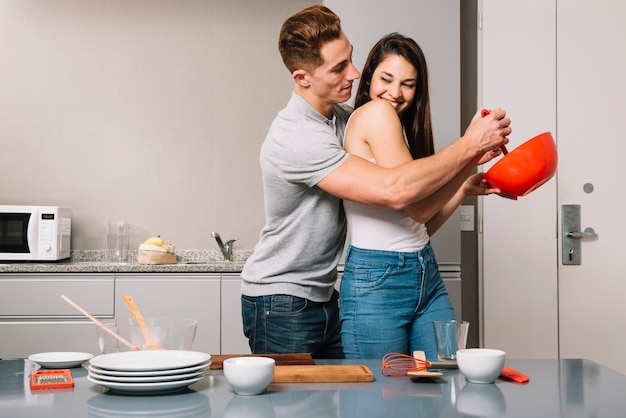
[389, 301]
[289, 324]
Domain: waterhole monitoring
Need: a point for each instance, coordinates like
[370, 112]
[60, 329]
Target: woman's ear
[301, 77]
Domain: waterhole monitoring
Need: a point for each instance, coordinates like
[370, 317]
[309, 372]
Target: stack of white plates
[149, 371]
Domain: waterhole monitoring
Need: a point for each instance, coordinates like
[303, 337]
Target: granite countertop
[95, 261]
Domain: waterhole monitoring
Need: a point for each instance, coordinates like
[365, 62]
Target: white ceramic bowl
[480, 365]
[171, 333]
[249, 375]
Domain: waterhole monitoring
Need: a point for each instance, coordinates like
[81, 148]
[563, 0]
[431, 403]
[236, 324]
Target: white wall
[152, 111]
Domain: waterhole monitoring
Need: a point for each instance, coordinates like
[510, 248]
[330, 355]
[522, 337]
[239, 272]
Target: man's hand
[489, 132]
[489, 155]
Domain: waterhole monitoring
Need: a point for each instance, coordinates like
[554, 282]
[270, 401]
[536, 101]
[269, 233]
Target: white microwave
[35, 233]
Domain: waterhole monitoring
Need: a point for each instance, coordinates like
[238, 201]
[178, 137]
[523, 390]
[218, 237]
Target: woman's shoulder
[374, 112]
[377, 106]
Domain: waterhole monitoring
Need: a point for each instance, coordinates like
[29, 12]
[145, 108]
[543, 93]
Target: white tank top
[384, 229]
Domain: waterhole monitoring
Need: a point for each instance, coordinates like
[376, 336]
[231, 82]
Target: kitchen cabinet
[34, 318]
[233, 340]
[36, 295]
[176, 295]
[22, 338]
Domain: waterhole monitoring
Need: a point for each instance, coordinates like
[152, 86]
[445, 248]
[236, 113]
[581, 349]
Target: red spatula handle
[514, 375]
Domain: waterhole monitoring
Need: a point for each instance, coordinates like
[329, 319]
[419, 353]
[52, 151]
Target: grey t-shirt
[304, 233]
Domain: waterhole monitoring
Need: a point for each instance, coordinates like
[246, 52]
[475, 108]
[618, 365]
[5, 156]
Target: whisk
[399, 364]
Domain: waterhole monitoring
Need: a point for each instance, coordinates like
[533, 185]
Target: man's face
[332, 81]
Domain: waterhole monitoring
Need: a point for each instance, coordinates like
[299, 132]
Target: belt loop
[401, 260]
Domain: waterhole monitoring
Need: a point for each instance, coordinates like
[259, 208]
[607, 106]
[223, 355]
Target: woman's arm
[473, 186]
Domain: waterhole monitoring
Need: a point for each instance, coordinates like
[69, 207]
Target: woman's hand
[476, 185]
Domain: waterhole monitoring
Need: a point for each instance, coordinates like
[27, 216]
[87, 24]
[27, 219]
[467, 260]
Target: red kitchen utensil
[526, 168]
[51, 379]
[398, 364]
[514, 375]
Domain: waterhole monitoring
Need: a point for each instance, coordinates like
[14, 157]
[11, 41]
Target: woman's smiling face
[394, 80]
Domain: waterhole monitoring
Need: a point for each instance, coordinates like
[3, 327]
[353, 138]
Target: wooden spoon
[99, 323]
[151, 342]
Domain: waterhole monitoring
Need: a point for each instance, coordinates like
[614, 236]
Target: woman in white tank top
[392, 290]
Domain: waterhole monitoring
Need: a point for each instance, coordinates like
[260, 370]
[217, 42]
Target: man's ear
[301, 77]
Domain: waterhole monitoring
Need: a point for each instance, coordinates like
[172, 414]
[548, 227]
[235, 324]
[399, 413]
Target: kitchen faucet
[227, 249]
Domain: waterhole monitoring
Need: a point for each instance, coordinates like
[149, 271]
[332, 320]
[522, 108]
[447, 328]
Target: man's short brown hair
[303, 35]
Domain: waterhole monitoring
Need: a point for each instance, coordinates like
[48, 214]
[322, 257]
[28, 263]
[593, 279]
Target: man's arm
[362, 181]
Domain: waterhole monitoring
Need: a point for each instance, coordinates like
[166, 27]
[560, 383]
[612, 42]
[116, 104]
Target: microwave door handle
[33, 232]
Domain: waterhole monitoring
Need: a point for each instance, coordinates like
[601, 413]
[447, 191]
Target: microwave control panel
[54, 234]
[47, 234]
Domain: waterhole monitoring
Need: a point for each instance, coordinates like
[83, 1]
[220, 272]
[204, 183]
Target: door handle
[588, 233]
[572, 236]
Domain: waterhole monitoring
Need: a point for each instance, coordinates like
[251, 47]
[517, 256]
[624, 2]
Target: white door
[591, 100]
[517, 39]
[557, 65]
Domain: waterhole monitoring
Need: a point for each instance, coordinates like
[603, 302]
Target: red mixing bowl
[526, 167]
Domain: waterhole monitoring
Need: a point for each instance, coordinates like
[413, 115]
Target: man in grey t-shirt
[289, 304]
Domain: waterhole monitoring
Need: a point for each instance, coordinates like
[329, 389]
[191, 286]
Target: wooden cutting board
[322, 374]
[217, 360]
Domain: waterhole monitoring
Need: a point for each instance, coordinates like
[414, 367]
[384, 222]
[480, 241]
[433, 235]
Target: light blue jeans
[388, 302]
